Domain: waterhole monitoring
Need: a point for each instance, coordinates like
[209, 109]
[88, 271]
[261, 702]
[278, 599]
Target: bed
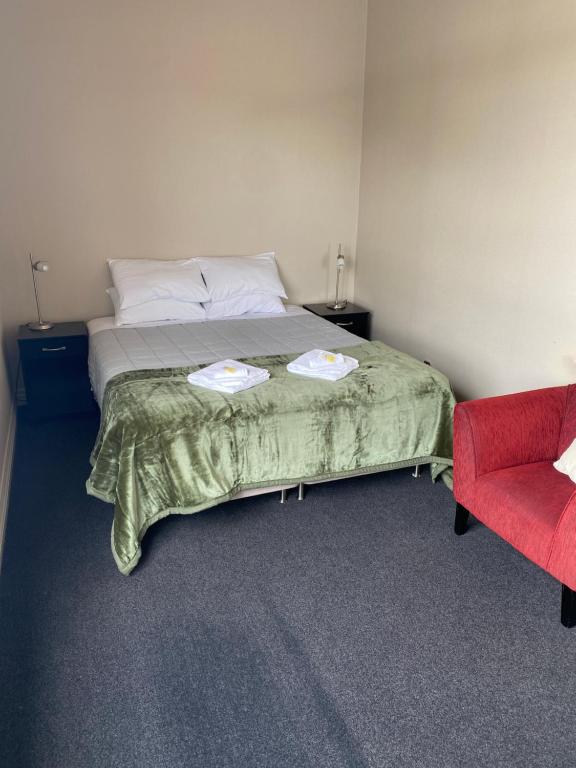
[165, 447]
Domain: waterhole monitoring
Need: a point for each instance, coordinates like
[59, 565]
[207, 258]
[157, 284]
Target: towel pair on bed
[230, 376]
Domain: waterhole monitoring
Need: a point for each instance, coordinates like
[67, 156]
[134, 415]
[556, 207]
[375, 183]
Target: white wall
[167, 129]
[467, 233]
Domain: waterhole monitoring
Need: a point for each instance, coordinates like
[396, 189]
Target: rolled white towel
[230, 369]
[319, 358]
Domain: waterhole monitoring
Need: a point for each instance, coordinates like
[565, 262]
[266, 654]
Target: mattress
[173, 345]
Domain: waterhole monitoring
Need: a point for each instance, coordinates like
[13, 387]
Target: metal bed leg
[416, 472]
[300, 491]
[283, 494]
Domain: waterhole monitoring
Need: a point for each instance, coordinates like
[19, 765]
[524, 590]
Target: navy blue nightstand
[352, 318]
[55, 370]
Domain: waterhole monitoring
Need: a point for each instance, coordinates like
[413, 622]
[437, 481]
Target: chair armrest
[507, 431]
[562, 560]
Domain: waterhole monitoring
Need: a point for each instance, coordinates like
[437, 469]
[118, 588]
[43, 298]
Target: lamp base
[338, 304]
[42, 325]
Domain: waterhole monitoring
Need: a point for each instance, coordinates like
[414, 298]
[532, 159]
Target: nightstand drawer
[356, 325]
[54, 348]
[352, 317]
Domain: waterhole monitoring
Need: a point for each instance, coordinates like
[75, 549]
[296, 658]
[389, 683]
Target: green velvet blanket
[166, 446]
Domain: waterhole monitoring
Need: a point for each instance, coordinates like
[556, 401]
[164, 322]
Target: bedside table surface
[57, 332]
[322, 309]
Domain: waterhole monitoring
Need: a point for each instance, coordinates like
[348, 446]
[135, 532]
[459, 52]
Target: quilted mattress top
[173, 345]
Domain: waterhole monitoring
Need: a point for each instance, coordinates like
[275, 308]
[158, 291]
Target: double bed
[167, 447]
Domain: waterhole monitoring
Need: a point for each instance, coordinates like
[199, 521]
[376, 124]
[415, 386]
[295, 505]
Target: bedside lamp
[339, 302]
[39, 325]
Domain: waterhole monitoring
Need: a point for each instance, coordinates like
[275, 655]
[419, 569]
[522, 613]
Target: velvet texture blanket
[167, 447]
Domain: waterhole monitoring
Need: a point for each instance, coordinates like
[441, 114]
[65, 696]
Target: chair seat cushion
[523, 505]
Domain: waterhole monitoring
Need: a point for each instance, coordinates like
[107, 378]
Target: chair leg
[461, 520]
[568, 609]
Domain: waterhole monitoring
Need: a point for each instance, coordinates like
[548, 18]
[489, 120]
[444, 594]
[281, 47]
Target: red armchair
[504, 448]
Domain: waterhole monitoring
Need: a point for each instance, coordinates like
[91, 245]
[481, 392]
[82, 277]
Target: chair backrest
[568, 431]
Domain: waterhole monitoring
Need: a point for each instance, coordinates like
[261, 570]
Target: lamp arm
[35, 289]
[338, 302]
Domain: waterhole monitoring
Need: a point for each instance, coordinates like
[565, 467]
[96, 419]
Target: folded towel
[318, 358]
[319, 364]
[228, 369]
[228, 387]
[228, 376]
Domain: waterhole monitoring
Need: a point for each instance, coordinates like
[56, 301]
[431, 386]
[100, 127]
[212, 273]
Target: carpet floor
[349, 630]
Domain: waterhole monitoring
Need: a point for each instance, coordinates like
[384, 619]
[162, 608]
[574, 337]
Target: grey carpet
[353, 629]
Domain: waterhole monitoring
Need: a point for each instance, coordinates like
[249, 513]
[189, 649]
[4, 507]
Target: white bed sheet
[143, 346]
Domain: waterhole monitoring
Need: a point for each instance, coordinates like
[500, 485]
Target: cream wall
[166, 129]
[467, 232]
[141, 128]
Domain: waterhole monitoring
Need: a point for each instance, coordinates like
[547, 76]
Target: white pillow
[155, 310]
[240, 305]
[141, 280]
[567, 462]
[229, 276]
